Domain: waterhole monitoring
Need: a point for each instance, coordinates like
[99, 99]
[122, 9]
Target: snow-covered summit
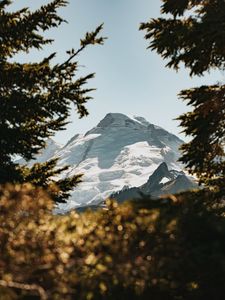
[120, 151]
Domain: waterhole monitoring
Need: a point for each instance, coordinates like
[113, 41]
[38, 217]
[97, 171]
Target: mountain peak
[154, 180]
[163, 168]
[115, 119]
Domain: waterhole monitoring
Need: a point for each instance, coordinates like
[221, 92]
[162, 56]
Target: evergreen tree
[194, 35]
[36, 98]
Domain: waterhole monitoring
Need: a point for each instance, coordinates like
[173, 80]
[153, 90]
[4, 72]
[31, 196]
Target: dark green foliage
[36, 98]
[195, 36]
[204, 155]
[173, 248]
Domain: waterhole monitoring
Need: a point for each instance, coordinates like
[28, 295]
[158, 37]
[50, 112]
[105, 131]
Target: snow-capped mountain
[121, 151]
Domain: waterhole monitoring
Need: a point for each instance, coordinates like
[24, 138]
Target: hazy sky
[129, 79]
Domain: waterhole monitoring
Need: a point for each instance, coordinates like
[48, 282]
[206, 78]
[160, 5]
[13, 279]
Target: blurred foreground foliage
[172, 248]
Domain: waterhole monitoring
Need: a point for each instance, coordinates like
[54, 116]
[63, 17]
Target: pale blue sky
[129, 79]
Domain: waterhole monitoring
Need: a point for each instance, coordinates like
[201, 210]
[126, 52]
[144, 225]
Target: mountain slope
[162, 181]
